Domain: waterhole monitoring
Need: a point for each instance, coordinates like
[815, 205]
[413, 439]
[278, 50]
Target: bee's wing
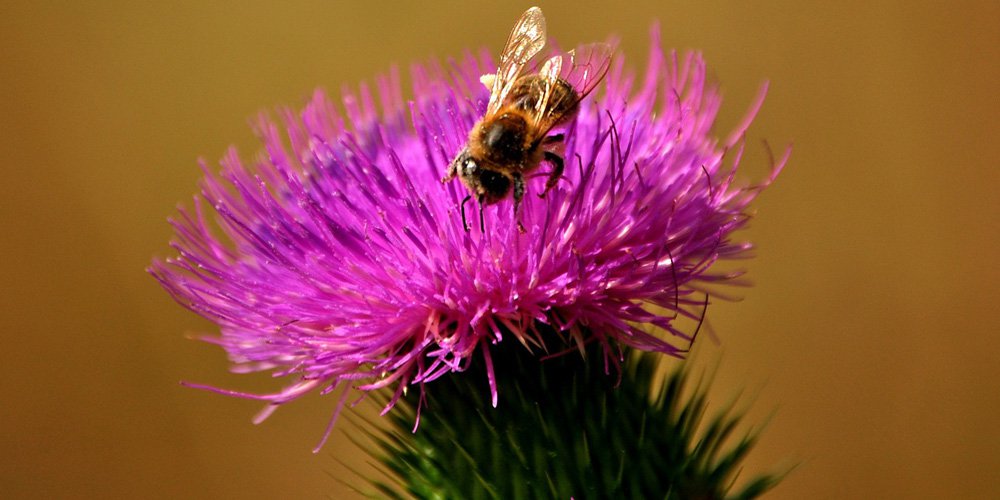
[525, 40]
[583, 68]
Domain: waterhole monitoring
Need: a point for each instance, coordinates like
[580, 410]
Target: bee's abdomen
[560, 99]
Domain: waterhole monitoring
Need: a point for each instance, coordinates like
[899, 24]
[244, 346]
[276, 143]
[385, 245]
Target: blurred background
[868, 343]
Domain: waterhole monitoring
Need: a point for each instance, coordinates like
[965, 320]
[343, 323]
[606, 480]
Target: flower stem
[565, 427]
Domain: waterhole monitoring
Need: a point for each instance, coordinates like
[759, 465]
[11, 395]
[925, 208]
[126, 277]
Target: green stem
[563, 428]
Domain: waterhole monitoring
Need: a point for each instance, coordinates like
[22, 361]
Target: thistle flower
[340, 260]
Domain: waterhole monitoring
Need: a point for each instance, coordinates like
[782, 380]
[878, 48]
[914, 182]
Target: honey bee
[512, 139]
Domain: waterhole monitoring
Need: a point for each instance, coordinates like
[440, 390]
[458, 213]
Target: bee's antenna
[482, 220]
[462, 205]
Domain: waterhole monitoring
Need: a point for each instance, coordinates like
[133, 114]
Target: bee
[513, 137]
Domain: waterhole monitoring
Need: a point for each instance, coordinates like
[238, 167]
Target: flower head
[340, 259]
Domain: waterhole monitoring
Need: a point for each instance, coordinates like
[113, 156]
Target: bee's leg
[553, 139]
[456, 164]
[464, 223]
[452, 171]
[557, 171]
[518, 196]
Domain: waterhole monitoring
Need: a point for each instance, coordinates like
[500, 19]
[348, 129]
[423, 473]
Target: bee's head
[465, 166]
[487, 185]
[493, 186]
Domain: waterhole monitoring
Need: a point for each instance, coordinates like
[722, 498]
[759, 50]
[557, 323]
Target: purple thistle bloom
[339, 257]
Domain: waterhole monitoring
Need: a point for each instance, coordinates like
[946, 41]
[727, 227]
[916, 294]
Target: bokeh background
[868, 344]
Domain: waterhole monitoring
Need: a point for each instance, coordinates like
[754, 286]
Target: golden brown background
[869, 342]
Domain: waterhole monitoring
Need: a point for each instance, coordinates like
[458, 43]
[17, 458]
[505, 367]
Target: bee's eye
[469, 167]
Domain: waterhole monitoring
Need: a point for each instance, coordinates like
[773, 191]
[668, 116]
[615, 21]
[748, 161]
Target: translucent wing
[525, 40]
[582, 68]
